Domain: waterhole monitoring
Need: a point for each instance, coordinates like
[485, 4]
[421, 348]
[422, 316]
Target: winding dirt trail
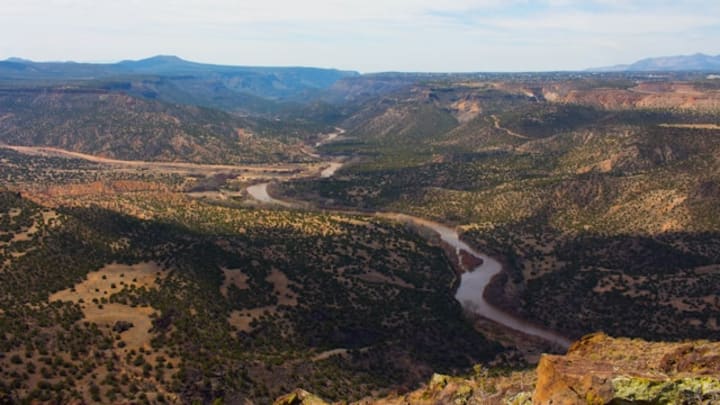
[506, 130]
[330, 137]
[141, 164]
[330, 170]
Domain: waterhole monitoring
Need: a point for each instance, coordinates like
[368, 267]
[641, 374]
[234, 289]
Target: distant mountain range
[148, 109]
[229, 81]
[696, 62]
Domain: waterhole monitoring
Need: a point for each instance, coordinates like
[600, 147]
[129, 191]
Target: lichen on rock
[693, 390]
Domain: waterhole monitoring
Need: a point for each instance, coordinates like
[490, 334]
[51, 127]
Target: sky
[367, 36]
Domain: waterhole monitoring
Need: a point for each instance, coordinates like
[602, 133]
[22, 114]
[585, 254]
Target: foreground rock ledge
[602, 370]
[597, 369]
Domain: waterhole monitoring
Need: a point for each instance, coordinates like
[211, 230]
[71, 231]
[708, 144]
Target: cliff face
[644, 96]
[597, 369]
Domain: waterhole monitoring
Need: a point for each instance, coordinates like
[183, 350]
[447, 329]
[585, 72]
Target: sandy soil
[183, 167]
[241, 319]
[138, 335]
[103, 283]
[99, 283]
[233, 277]
[29, 233]
[281, 284]
[691, 126]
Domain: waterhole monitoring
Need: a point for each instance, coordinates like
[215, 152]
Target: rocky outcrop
[596, 370]
[601, 370]
[479, 389]
[440, 389]
[299, 397]
[644, 96]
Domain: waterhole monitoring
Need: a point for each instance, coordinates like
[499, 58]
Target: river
[472, 286]
[259, 192]
[330, 170]
[470, 293]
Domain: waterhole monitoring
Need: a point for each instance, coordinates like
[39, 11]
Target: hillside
[142, 280]
[116, 125]
[604, 215]
[141, 292]
[596, 370]
[161, 293]
[241, 81]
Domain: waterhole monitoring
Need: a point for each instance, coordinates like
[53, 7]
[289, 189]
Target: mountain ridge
[278, 83]
[166, 59]
[677, 63]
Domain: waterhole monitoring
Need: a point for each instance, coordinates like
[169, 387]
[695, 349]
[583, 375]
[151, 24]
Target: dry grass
[233, 277]
[281, 284]
[99, 284]
[47, 220]
[241, 320]
[102, 284]
[136, 337]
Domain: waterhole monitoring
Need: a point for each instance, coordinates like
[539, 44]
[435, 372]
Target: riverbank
[471, 291]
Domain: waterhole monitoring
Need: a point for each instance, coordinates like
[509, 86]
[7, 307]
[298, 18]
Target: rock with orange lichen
[482, 388]
[600, 370]
[597, 369]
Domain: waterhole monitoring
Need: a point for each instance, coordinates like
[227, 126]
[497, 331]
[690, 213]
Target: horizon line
[599, 69]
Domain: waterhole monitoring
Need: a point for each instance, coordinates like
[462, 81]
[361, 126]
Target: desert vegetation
[155, 283]
[603, 213]
[145, 308]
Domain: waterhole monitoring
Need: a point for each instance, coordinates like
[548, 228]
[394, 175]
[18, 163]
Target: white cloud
[243, 11]
[366, 35]
[608, 23]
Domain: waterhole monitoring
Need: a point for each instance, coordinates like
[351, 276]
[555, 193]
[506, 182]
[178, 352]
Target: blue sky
[369, 36]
